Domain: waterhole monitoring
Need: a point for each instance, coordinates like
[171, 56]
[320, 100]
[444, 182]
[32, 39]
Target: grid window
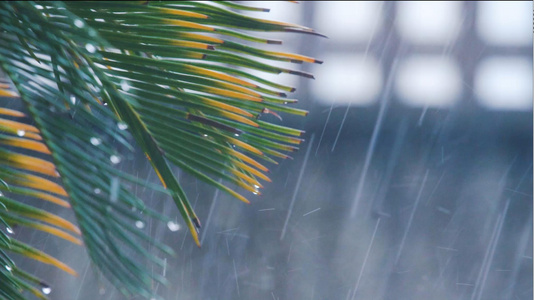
[428, 80]
[448, 51]
[349, 21]
[432, 22]
[506, 23]
[504, 83]
[348, 79]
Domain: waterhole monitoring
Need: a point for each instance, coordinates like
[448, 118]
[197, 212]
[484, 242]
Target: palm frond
[29, 176]
[176, 75]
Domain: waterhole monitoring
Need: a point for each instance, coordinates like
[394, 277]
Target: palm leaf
[176, 75]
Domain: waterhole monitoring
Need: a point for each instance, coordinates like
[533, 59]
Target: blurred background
[415, 180]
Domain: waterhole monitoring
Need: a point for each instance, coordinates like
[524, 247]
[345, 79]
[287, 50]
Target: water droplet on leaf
[10, 230]
[46, 290]
[90, 48]
[21, 132]
[173, 226]
[9, 268]
[115, 159]
[122, 126]
[96, 141]
[97, 191]
[125, 86]
[73, 99]
[139, 224]
[78, 23]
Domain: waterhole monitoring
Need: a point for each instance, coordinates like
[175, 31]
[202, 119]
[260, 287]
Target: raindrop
[73, 99]
[139, 224]
[125, 86]
[122, 126]
[173, 226]
[90, 48]
[1, 194]
[114, 189]
[78, 23]
[164, 267]
[92, 32]
[256, 186]
[39, 6]
[10, 230]
[97, 80]
[205, 135]
[96, 141]
[285, 102]
[97, 191]
[255, 192]
[46, 290]
[236, 134]
[115, 159]
[21, 132]
[9, 268]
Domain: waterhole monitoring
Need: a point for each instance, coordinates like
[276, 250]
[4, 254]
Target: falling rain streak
[488, 256]
[400, 199]
[372, 144]
[357, 284]
[410, 220]
[295, 192]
